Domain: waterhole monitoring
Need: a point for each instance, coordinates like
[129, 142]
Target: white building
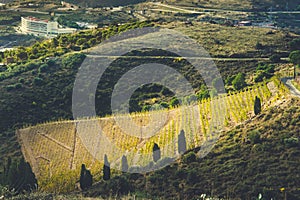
[38, 27]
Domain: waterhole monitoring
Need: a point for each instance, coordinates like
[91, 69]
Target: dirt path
[292, 88]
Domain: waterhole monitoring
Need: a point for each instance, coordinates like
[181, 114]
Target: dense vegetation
[260, 156]
[18, 176]
[241, 4]
[42, 82]
[37, 85]
[104, 3]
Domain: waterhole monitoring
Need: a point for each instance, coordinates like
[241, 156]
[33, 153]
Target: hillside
[260, 156]
[28, 100]
[104, 3]
[218, 4]
[79, 142]
[38, 88]
[253, 5]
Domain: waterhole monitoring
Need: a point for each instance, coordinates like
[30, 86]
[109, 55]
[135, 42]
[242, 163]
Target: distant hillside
[60, 147]
[260, 156]
[263, 5]
[104, 3]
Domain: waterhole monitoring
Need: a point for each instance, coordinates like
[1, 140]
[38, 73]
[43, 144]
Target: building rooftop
[36, 19]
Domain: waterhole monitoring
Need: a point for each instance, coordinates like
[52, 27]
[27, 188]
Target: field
[224, 41]
[236, 5]
[78, 142]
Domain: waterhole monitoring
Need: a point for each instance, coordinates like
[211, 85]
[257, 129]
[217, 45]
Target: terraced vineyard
[56, 150]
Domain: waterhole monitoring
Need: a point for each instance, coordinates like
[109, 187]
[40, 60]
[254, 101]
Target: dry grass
[226, 41]
[57, 150]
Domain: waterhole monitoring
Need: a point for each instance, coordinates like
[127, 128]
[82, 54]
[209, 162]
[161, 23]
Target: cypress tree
[257, 105]
[31, 181]
[106, 169]
[124, 164]
[181, 142]
[86, 178]
[82, 177]
[156, 152]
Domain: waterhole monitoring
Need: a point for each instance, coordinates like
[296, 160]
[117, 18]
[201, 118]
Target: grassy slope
[237, 167]
[32, 104]
[238, 5]
[223, 41]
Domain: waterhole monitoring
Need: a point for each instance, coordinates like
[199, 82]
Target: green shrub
[192, 177]
[21, 80]
[275, 58]
[73, 61]
[38, 81]
[291, 142]
[254, 137]
[239, 82]
[164, 104]
[18, 85]
[295, 57]
[10, 88]
[43, 68]
[174, 102]
[190, 157]
[203, 93]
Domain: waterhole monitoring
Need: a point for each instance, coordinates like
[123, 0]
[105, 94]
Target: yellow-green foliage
[226, 41]
[57, 150]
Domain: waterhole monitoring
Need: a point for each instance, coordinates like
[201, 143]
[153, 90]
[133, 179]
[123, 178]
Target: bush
[203, 93]
[38, 81]
[257, 106]
[43, 68]
[164, 104]
[73, 61]
[18, 85]
[190, 157]
[174, 102]
[275, 58]
[10, 88]
[254, 137]
[258, 46]
[295, 57]
[120, 185]
[192, 177]
[295, 43]
[291, 142]
[239, 82]
[260, 77]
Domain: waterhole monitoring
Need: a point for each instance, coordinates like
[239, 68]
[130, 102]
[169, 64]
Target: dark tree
[82, 177]
[239, 81]
[124, 164]
[181, 142]
[86, 178]
[156, 152]
[106, 169]
[295, 57]
[18, 175]
[257, 105]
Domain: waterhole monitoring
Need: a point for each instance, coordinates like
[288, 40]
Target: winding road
[288, 82]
